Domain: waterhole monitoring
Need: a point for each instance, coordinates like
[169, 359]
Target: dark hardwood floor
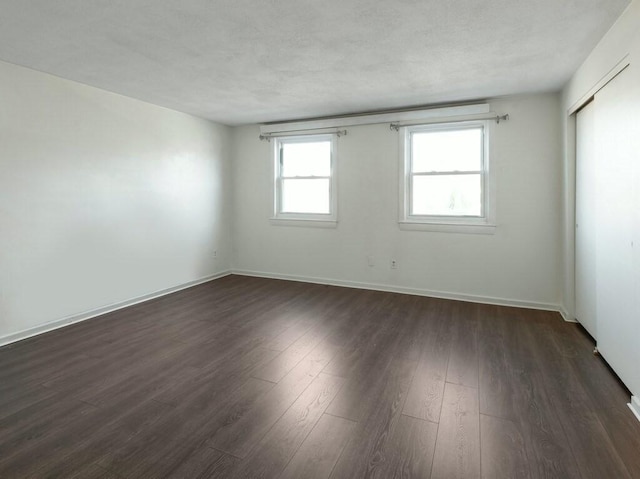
[246, 377]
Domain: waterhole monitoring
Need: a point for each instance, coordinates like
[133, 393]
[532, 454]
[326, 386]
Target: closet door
[586, 204]
[617, 148]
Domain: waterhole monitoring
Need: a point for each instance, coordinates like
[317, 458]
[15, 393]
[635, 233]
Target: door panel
[586, 205]
[617, 107]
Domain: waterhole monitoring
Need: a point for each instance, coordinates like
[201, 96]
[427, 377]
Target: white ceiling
[249, 61]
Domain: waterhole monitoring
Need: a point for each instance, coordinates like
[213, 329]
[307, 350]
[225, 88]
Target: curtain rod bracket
[394, 126]
[502, 117]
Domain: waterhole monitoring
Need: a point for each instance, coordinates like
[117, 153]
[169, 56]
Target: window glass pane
[446, 195]
[305, 196]
[306, 159]
[458, 150]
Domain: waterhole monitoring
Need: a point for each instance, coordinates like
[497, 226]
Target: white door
[586, 176]
[617, 110]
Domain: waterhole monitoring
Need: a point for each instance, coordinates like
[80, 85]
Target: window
[305, 178]
[445, 176]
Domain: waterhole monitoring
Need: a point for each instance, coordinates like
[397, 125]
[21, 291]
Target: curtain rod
[380, 118]
[268, 136]
[497, 118]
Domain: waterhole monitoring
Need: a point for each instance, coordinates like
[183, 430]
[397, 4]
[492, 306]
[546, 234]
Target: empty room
[302, 239]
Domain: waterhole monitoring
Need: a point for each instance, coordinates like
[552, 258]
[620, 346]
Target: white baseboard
[403, 290]
[634, 405]
[565, 316]
[76, 318]
[60, 323]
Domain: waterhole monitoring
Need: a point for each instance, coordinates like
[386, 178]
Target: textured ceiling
[249, 61]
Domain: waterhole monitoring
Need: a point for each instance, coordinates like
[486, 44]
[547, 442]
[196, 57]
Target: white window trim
[452, 224]
[319, 220]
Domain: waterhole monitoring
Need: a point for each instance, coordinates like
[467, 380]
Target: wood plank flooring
[255, 378]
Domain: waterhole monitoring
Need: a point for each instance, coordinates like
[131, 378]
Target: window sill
[304, 222]
[465, 228]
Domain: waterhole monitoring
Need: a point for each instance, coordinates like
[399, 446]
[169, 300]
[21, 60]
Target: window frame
[452, 223]
[321, 219]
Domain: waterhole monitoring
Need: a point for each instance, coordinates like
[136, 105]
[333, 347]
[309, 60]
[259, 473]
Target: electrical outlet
[370, 261]
[394, 264]
[215, 253]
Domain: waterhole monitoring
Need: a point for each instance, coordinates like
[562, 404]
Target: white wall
[102, 199]
[519, 264]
